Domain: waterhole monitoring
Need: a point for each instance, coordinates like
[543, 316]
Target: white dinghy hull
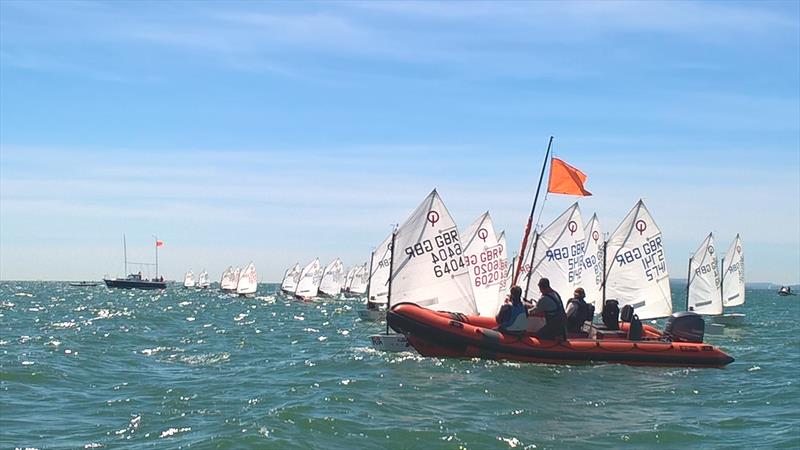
[390, 342]
[371, 315]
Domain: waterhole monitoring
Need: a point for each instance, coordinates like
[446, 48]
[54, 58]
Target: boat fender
[489, 335]
[626, 314]
[635, 329]
[610, 314]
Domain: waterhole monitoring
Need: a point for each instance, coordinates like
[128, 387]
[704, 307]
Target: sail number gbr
[445, 251]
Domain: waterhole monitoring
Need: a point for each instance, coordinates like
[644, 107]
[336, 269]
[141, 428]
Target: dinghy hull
[442, 334]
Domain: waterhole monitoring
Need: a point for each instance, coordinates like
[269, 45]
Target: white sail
[348, 278]
[360, 280]
[188, 279]
[230, 279]
[636, 269]
[505, 284]
[308, 286]
[703, 294]
[427, 261]
[332, 278]
[558, 254]
[733, 275]
[592, 267]
[512, 266]
[485, 260]
[202, 280]
[291, 278]
[248, 280]
[378, 288]
[525, 268]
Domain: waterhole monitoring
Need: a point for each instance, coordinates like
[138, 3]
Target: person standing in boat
[551, 309]
[513, 315]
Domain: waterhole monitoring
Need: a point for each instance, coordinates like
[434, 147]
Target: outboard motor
[626, 315]
[685, 326]
[611, 314]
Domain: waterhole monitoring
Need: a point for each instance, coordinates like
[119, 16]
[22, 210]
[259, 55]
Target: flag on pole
[565, 179]
[159, 243]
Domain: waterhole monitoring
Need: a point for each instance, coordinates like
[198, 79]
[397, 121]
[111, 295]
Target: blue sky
[278, 132]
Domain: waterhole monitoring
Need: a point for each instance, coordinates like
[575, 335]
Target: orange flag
[565, 179]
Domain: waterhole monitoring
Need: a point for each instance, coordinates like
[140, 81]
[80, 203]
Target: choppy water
[92, 367]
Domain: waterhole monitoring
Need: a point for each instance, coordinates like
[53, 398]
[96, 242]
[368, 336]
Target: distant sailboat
[332, 279]
[310, 277]
[188, 279]
[248, 281]
[592, 266]
[135, 281]
[230, 279]
[703, 294]
[290, 279]
[358, 287]
[439, 283]
[733, 283]
[202, 280]
[635, 266]
[486, 261]
[378, 283]
[348, 281]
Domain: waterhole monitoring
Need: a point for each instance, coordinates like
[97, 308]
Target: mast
[389, 294]
[369, 279]
[688, 282]
[156, 238]
[605, 272]
[533, 210]
[125, 254]
[530, 271]
[722, 283]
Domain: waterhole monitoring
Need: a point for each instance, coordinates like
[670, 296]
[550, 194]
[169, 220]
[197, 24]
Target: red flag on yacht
[159, 243]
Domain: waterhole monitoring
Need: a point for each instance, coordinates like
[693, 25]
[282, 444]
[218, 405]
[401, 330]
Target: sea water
[100, 368]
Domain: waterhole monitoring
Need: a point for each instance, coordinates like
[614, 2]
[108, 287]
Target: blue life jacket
[517, 320]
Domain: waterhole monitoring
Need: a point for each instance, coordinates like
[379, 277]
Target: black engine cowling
[685, 326]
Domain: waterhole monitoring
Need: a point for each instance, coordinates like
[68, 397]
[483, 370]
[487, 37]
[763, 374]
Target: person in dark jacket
[577, 311]
[513, 315]
[551, 308]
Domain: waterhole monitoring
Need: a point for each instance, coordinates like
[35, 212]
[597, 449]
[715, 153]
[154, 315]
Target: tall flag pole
[530, 219]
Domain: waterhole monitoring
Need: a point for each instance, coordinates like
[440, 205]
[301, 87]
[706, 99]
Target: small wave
[206, 359]
[23, 294]
[174, 431]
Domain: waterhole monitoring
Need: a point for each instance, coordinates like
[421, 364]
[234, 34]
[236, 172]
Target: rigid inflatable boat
[444, 334]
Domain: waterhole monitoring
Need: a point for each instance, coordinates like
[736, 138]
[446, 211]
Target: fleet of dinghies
[440, 288]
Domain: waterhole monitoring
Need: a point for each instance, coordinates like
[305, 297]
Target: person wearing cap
[551, 309]
[577, 311]
[513, 315]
